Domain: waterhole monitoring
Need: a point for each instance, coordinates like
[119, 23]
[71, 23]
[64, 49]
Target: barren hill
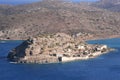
[57, 16]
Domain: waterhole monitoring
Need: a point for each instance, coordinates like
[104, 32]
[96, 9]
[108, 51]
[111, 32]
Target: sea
[104, 67]
[20, 2]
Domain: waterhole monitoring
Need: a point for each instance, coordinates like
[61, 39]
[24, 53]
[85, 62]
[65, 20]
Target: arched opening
[60, 59]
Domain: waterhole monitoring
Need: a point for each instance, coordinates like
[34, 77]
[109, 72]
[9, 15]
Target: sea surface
[104, 67]
[19, 2]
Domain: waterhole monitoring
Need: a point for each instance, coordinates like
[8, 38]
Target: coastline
[71, 59]
[102, 37]
[93, 55]
[50, 49]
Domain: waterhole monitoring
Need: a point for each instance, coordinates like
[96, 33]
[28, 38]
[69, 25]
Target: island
[55, 48]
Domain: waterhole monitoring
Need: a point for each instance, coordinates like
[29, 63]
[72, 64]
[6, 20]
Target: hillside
[29, 20]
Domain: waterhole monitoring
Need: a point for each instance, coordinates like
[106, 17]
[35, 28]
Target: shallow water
[104, 67]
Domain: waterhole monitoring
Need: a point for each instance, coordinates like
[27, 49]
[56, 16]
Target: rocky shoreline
[55, 48]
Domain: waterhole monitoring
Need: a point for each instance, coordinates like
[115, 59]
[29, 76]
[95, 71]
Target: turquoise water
[18, 2]
[104, 67]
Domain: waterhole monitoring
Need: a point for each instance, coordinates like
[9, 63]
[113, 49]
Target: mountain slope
[57, 16]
